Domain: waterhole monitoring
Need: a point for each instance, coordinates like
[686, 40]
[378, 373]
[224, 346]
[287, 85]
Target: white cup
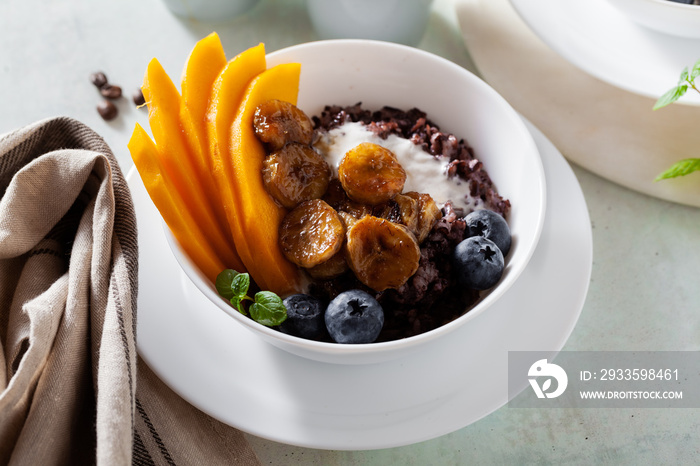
[402, 21]
[209, 10]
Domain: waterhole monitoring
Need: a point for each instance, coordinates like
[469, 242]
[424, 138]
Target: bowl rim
[661, 4]
[336, 349]
[662, 16]
[669, 4]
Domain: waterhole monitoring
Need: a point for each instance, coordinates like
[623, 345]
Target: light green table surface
[645, 286]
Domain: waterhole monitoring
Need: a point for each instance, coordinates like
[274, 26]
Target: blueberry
[304, 317]
[354, 316]
[490, 225]
[687, 2]
[478, 263]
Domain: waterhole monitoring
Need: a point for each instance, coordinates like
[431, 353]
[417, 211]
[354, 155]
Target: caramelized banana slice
[332, 268]
[403, 210]
[277, 123]
[335, 194]
[348, 219]
[428, 214]
[381, 253]
[294, 174]
[370, 174]
[311, 233]
[339, 200]
[356, 209]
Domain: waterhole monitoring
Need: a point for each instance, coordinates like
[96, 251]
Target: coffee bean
[107, 110]
[138, 98]
[110, 91]
[98, 79]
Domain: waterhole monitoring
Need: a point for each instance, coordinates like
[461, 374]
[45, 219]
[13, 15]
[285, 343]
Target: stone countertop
[643, 295]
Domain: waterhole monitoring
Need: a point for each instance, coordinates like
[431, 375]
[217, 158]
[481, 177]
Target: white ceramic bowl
[402, 21]
[212, 11]
[664, 16]
[345, 72]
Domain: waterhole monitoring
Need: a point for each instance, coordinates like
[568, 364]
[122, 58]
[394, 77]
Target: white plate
[226, 371]
[606, 43]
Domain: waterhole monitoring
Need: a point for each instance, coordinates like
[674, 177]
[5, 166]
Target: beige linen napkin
[170, 431]
[68, 284]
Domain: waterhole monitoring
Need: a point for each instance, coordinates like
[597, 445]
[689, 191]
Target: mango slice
[204, 64]
[257, 216]
[168, 201]
[176, 159]
[226, 96]
[204, 171]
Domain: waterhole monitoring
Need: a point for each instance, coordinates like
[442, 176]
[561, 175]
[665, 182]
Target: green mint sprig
[685, 81]
[266, 308]
[682, 168]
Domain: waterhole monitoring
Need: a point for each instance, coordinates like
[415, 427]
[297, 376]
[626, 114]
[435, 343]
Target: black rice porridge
[431, 297]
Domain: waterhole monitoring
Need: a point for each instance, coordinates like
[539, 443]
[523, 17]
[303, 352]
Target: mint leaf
[682, 168]
[237, 302]
[695, 72]
[671, 96]
[240, 285]
[223, 283]
[234, 287]
[684, 76]
[268, 309]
